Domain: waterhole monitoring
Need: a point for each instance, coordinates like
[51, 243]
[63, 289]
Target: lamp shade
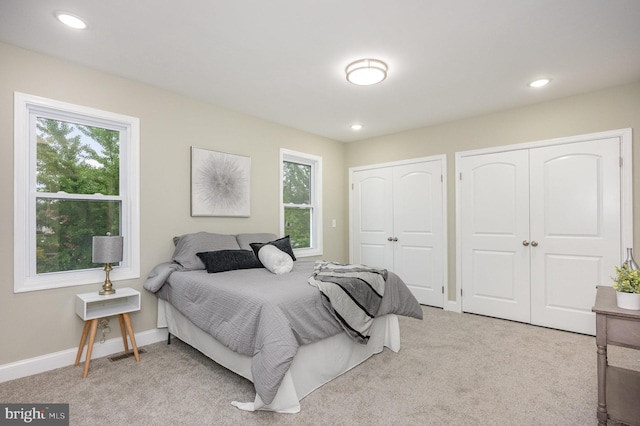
[107, 249]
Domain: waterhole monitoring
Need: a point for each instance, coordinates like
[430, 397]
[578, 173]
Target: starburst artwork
[220, 183]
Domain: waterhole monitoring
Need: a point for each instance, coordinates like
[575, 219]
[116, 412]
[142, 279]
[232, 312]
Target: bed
[275, 329]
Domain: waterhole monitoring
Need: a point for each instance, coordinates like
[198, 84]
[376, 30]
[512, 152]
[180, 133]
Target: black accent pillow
[229, 260]
[283, 244]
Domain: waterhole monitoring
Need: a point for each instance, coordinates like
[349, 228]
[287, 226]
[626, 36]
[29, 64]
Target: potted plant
[627, 287]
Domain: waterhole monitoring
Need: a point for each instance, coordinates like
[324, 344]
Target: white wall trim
[441, 157]
[40, 364]
[26, 278]
[317, 233]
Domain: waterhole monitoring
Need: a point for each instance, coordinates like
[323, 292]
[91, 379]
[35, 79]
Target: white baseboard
[452, 305]
[40, 364]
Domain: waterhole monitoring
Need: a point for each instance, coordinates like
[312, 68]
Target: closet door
[575, 223]
[494, 218]
[418, 229]
[397, 223]
[372, 217]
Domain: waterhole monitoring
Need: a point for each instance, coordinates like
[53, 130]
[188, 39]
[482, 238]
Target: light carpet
[453, 369]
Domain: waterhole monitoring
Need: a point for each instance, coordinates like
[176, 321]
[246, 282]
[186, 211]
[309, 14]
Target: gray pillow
[189, 245]
[244, 240]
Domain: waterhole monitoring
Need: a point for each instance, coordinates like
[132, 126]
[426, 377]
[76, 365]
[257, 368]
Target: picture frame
[220, 183]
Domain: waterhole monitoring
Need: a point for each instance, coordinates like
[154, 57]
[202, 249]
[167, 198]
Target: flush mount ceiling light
[71, 20]
[356, 126]
[365, 72]
[540, 83]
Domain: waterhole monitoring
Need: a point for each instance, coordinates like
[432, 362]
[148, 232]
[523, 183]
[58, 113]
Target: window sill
[307, 252]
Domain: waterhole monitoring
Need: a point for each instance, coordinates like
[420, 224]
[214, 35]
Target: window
[301, 207]
[76, 176]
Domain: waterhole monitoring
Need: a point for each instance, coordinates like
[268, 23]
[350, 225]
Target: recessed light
[70, 20]
[356, 126]
[365, 72]
[540, 83]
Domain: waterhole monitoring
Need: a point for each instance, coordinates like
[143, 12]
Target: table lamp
[107, 249]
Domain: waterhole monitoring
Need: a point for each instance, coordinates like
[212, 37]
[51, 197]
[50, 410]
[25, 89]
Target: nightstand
[618, 388]
[92, 306]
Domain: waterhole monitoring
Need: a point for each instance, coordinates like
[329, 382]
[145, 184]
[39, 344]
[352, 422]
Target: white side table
[92, 306]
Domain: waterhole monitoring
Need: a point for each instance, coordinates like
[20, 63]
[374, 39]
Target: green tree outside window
[74, 162]
[297, 200]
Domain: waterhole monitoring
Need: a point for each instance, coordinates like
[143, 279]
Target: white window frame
[316, 198]
[25, 276]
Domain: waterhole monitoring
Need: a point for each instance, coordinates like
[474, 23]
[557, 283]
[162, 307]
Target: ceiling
[284, 61]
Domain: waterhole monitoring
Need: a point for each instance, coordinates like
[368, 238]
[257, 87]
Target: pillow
[245, 239]
[229, 260]
[275, 260]
[283, 244]
[188, 245]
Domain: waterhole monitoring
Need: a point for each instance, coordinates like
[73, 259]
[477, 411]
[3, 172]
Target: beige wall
[42, 322]
[610, 109]
[39, 323]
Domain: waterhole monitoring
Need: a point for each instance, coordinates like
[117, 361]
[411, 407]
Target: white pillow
[275, 260]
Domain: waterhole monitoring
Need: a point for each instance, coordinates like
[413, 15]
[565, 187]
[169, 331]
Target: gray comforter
[263, 315]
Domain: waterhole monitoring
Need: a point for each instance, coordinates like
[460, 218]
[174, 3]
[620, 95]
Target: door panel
[500, 266]
[418, 227]
[575, 218]
[494, 202]
[372, 204]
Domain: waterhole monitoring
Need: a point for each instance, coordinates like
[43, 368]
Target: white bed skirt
[329, 357]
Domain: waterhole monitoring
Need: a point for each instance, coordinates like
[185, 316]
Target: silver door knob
[525, 243]
[389, 239]
[395, 239]
[534, 244]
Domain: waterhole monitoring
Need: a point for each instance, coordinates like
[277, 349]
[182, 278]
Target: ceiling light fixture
[540, 83]
[365, 72]
[356, 126]
[71, 20]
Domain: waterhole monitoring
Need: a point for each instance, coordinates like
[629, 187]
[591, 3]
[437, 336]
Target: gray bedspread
[263, 315]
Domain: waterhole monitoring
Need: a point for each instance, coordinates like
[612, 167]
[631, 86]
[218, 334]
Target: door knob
[534, 244]
[395, 239]
[525, 243]
[389, 239]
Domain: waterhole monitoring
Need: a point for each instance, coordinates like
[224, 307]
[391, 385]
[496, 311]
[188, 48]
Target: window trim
[316, 198]
[24, 205]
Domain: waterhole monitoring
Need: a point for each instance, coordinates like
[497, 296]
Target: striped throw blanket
[352, 293]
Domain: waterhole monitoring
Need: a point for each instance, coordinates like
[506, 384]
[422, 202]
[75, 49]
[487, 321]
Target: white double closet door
[540, 229]
[397, 216]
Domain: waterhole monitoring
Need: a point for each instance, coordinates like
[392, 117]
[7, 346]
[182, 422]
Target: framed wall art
[220, 183]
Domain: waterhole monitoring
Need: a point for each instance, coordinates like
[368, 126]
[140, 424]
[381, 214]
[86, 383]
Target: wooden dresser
[618, 388]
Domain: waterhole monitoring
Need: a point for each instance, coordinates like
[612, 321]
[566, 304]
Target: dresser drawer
[623, 332]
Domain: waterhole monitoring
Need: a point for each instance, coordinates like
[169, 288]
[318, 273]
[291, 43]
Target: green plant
[626, 280]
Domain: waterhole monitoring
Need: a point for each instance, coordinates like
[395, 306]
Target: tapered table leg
[92, 338]
[83, 339]
[124, 333]
[127, 322]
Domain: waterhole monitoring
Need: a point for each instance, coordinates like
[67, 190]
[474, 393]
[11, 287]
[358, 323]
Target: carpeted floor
[453, 369]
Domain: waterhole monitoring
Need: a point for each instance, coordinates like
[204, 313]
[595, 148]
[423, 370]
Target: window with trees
[301, 212]
[76, 176]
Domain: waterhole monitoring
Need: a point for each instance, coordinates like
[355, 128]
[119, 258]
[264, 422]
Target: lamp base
[106, 292]
[107, 287]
